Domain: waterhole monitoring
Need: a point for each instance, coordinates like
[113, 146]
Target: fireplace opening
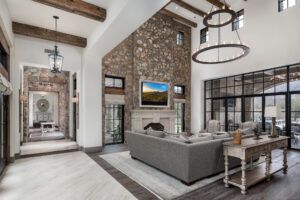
[155, 126]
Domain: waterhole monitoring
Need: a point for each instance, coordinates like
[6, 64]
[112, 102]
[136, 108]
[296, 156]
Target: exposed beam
[218, 3]
[190, 8]
[46, 34]
[78, 7]
[178, 18]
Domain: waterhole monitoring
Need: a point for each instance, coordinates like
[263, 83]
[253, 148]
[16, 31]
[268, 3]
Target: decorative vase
[237, 137]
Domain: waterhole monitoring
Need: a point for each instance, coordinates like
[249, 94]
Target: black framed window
[204, 35]
[114, 82]
[238, 21]
[180, 38]
[179, 89]
[114, 124]
[285, 4]
[244, 97]
[180, 113]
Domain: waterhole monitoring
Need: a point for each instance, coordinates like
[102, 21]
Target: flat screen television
[154, 94]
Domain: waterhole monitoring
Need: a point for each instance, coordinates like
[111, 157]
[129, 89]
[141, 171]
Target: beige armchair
[213, 126]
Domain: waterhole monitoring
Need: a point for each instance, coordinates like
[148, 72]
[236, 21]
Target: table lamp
[272, 112]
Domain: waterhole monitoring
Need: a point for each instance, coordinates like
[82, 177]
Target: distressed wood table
[245, 151]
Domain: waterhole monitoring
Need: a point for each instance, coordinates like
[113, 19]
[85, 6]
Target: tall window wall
[243, 97]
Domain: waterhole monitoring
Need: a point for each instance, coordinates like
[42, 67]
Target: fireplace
[155, 126]
[142, 118]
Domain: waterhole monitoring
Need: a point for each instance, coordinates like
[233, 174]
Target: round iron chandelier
[224, 10]
[219, 46]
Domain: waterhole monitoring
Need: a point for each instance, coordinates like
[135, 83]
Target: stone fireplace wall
[152, 53]
[40, 79]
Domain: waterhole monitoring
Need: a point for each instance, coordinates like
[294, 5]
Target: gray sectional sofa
[186, 162]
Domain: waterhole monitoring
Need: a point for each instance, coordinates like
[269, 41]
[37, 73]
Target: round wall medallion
[221, 11]
[43, 105]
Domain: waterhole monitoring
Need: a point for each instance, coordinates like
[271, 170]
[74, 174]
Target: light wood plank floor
[67, 176]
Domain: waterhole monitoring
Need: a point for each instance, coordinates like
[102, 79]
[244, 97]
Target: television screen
[154, 94]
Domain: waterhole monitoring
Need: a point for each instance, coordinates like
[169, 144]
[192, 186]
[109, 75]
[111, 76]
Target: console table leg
[226, 178]
[268, 162]
[285, 166]
[243, 178]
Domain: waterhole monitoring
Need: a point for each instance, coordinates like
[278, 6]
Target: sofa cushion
[200, 139]
[160, 134]
[205, 135]
[221, 135]
[141, 132]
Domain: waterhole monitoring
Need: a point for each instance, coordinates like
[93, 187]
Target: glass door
[295, 121]
[280, 102]
[114, 124]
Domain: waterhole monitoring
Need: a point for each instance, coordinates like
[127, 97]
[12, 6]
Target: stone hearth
[141, 118]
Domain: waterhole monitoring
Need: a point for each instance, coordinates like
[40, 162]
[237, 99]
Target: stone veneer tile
[151, 53]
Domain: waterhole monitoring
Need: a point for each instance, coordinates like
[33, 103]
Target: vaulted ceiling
[192, 10]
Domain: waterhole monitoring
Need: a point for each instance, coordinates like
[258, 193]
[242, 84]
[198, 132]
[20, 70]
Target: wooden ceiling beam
[178, 18]
[78, 7]
[218, 3]
[46, 34]
[190, 8]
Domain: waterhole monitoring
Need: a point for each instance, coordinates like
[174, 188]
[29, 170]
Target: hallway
[62, 176]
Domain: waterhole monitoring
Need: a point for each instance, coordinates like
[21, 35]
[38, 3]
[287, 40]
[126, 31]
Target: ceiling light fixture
[55, 59]
[244, 49]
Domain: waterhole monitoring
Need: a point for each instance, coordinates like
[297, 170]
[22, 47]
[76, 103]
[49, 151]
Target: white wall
[30, 52]
[273, 38]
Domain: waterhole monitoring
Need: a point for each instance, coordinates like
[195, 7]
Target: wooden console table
[44, 124]
[245, 152]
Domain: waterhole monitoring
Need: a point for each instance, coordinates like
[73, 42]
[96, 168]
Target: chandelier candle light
[55, 59]
[219, 45]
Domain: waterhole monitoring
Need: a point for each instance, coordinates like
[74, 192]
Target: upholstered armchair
[212, 126]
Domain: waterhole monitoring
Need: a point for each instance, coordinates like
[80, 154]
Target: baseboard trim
[92, 149]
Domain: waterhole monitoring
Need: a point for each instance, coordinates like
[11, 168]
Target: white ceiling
[36, 14]
[200, 4]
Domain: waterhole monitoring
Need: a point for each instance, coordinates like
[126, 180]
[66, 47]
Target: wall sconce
[23, 98]
[75, 99]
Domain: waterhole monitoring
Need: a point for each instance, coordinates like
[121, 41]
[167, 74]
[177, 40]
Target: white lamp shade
[271, 111]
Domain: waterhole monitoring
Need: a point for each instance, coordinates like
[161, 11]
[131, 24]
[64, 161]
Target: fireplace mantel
[141, 118]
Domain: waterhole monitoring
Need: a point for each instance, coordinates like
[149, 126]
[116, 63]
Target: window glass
[238, 21]
[204, 35]
[114, 82]
[180, 38]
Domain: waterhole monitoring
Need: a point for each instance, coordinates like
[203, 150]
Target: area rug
[159, 183]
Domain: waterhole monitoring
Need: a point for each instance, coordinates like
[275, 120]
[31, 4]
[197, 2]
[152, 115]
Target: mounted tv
[154, 94]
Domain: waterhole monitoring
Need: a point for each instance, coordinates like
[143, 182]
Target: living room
[142, 99]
